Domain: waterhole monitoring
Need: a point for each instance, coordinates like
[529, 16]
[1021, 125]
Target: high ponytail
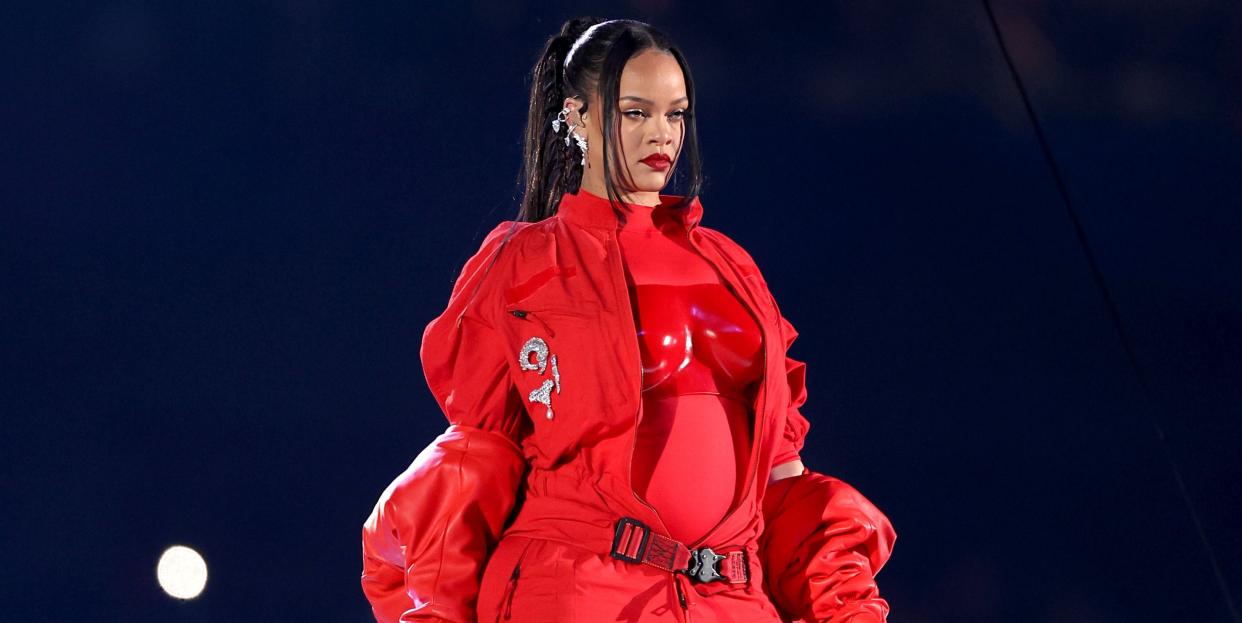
[550, 167]
[548, 170]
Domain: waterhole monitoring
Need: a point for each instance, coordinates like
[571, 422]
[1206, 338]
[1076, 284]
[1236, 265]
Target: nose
[662, 131]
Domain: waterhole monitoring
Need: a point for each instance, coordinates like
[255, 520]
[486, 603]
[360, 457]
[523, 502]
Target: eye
[635, 113]
[677, 115]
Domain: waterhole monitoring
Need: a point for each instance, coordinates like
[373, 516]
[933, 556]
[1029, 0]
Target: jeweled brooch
[542, 394]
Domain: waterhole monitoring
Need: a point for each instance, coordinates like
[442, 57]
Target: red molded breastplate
[696, 339]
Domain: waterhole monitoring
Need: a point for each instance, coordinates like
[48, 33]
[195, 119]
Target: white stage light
[182, 572]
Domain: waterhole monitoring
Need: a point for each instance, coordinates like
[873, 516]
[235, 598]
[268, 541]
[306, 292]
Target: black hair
[550, 167]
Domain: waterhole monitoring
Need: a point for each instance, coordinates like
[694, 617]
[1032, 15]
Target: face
[651, 111]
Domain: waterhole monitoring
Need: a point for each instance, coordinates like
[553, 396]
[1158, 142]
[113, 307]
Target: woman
[624, 418]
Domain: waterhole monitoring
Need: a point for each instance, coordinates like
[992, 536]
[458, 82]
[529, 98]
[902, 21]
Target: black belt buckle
[620, 532]
[704, 565]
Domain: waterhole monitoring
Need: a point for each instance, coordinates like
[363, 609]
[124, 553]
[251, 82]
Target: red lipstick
[659, 162]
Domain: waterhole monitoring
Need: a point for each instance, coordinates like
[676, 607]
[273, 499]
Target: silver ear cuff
[563, 118]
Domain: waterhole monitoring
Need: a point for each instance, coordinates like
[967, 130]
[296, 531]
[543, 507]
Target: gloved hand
[822, 544]
[426, 542]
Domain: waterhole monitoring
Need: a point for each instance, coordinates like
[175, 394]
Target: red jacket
[535, 363]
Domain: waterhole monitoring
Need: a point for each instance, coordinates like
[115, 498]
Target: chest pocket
[548, 318]
[566, 368]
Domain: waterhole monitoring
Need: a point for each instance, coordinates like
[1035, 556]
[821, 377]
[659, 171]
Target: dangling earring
[563, 117]
[582, 142]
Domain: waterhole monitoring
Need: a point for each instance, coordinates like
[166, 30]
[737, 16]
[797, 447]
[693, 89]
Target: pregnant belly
[690, 458]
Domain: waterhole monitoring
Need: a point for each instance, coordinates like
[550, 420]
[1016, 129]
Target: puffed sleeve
[429, 536]
[822, 545]
[796, 426]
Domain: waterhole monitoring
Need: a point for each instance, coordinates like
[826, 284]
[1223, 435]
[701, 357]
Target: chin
[653, 182]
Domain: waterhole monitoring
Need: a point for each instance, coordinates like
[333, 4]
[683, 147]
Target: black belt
[634, 542]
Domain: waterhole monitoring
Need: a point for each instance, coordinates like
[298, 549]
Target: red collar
[587, 210]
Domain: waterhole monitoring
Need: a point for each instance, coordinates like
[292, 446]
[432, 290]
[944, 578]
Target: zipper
[505, 608]
[510, 589]
[681, 598]
[627, 310]
[757, 441]
[530, 314]
[527, 314]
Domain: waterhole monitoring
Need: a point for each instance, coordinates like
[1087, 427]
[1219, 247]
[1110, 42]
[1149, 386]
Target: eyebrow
[643, 100]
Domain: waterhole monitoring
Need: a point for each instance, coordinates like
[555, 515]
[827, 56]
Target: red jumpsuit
[441, 544]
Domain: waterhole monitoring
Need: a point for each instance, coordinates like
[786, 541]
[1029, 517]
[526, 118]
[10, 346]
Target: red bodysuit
[701, 359]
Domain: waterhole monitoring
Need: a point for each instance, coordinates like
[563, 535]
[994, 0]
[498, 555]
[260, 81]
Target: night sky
[224, 225]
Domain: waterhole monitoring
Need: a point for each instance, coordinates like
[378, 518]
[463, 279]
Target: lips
[658, 162]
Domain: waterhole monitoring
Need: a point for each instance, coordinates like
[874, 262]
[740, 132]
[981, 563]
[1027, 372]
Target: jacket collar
[588, 210]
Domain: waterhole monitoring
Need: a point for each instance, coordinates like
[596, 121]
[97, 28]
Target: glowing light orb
[182, 572]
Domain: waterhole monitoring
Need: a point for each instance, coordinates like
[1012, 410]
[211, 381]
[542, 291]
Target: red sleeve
[822, 545]
[430, 534]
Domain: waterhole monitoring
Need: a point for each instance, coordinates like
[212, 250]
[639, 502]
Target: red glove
[425, 544]
[822, 544]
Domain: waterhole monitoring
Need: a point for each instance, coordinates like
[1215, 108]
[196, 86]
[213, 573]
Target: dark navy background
[226, 225]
